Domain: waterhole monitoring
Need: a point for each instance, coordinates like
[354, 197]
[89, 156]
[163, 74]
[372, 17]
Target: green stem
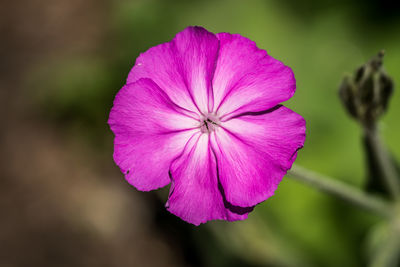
[341, 190]
[389, 174]
[388, 253]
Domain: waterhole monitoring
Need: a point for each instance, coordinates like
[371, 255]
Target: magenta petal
[183, 68]
[150, 131]
[195, 195]
[255, 152]
[247, 79]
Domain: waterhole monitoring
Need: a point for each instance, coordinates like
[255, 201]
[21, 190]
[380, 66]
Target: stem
[341, 190]
[389, 173]
[388, 252]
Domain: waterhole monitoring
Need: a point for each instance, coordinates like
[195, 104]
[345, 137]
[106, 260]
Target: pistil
[209, 123]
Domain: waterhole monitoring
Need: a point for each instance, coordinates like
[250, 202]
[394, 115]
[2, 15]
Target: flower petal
[247, 79]
[183, 68]
[195, 194]
[150, 131]
[255, 152]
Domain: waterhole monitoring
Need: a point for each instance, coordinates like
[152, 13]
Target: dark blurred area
[65, 203]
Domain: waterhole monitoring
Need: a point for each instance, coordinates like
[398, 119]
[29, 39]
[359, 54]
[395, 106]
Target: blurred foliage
[320, 40]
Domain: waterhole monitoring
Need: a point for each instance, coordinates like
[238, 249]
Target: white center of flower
[209, 123]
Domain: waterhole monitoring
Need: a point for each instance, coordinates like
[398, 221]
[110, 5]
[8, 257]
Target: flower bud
[366, 94]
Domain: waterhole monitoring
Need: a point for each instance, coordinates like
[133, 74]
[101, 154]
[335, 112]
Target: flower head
[202, 112]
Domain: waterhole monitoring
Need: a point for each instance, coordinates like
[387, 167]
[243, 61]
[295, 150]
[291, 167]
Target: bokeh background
[64, 202]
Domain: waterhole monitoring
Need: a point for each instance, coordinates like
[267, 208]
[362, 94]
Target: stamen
[209, 123]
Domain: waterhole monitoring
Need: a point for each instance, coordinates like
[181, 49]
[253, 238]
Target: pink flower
[202, 112]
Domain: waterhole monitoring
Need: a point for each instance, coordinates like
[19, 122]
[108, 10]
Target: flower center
[209, 123]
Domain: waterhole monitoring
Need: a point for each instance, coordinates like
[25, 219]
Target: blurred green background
[65, 203]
